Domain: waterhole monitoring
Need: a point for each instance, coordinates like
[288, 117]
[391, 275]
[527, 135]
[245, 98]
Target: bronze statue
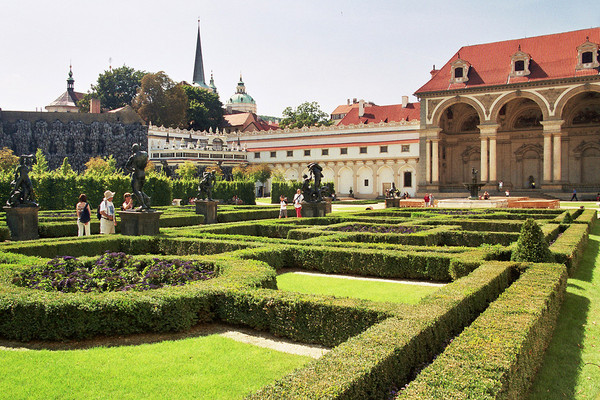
[206, 185]
[22, 191]
[137, 165]
[314, 193]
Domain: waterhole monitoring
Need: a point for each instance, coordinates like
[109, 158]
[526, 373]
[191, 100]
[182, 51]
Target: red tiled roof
[376, 114]
[552, 57]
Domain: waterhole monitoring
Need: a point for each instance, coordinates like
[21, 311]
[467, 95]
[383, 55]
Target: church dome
[241, 98]
[241, 101]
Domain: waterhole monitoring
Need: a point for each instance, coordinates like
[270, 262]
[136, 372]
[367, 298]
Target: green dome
[241, 98]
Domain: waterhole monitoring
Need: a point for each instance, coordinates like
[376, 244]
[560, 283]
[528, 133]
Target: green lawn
[211, 367]
[362, 289]
[571, 368]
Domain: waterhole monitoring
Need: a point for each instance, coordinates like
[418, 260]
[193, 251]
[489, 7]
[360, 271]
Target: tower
[198, 79]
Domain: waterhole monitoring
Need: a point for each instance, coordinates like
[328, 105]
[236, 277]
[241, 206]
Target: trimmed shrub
[532, 245]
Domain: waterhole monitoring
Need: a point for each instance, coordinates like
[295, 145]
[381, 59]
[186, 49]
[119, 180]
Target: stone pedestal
[393, 202]
[22, 222]
[328, 207]
[208, 208]
[138, 223]
[314, 209]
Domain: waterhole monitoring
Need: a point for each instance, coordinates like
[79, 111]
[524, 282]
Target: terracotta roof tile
[376, 114]
[552, 57]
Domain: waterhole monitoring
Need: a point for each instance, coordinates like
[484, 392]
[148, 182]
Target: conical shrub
[532, 245]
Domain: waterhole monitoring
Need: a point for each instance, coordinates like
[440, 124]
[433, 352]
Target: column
[428, 161]
[556, 157]
[487, 135]
[493, 177]
[552, 150]
[435, 160]
[484, 159]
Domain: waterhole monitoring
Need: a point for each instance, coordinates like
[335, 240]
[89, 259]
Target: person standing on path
[84, 216]
[282, 207]
[574, 197]
[298, 198]
[107, 212]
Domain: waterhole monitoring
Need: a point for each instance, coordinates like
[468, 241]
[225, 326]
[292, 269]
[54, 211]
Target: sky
[288, 52]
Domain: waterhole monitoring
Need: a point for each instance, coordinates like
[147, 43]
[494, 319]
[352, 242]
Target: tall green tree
[8, 160]
[161, 101]
[306, 114]
[205, 110]
[41, 163]
[115, 88]
[187, 170]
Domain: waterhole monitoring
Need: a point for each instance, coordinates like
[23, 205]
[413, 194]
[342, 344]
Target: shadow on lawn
[562, 363]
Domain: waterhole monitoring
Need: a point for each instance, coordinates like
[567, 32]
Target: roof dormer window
[460, 71]
[520, 63]
[587, 55]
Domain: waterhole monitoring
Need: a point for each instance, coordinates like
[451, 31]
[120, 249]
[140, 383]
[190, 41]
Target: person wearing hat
[107, 211]
[128, 203]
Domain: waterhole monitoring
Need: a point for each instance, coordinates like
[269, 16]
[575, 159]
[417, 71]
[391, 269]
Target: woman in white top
[298, 199]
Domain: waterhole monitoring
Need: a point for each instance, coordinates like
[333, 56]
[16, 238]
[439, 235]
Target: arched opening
[346, 180]
[385, 177]
[291, 174]
[365, 181]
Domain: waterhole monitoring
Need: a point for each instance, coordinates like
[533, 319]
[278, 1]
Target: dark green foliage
[532, 245]
[205, 110]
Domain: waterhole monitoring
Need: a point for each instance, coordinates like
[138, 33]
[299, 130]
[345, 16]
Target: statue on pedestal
[137, 165]
[22, 191]
[314, 193]
[206, 184]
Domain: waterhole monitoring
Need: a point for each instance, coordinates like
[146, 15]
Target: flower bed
[110, 272]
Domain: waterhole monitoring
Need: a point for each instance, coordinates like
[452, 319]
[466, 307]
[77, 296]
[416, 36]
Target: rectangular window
[257, 154]
[406, 148]
[290, 153]
[273, 154]
[383, 149]
[344, 150]
[519, 65]
[324, 152]
[363, 150]
[458, 73]
[587, 57]
[366, 182]
[307, 153]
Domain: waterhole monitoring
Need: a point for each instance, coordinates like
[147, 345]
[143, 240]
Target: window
[406, 148]
[273, 154]
[307, 153]
[324, 152]
[587, 57]
[257, 154]
[383, 149]
[408, 179]
[366, 182]
[458, 72]
[290, 153]
[520, 65]
[363, 150]
[344, 150]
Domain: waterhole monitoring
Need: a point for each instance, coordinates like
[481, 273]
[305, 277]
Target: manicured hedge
[498, 355]
[366, 366]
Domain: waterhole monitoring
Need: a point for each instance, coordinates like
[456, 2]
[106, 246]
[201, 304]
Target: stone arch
[328, 175]
[588, 156]
[385, 178]
[217, 144]
[404, 185]
[582, 109]
[346, 180]
[437, 114]
[505, 99]
[365, 180]
[291, 174]
[570, 94]
[529, 158]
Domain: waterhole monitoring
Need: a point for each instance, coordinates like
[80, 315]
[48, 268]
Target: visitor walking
[128, 203]
[282, 206]
[431, 201]
[84, 216]
[426, 198]
[574, 197]
[107, 212]
[298, 198]
[500, 186]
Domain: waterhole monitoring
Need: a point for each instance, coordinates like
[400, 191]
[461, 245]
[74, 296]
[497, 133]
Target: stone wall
[76, 136]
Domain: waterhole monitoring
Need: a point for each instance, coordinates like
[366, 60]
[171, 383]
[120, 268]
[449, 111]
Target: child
[298, 198]
[282, 207]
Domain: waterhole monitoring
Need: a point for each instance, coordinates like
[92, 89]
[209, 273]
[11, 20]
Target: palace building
[525, 112]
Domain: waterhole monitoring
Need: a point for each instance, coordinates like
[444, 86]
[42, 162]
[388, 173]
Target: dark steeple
[198, 64]
[70, 80]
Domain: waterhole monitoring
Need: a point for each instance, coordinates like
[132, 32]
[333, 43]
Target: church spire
[198, 78]
[70, 80]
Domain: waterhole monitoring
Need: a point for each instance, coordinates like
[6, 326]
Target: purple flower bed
[380, 228]
[111, 272]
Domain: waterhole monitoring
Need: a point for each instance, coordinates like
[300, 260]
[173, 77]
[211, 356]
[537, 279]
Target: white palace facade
[362, 159]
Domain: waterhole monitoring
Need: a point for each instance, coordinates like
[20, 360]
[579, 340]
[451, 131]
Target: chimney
[95, 106]
[361, 108]
[404, 101]
[434, 71]
[348, 102]
[354, 100]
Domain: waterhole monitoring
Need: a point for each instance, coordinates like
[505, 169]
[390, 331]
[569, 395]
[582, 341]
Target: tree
[161, 101]
[187, 170]
[532, 245]
[99, 166]
[41, 163]
[65, 169]
[8, 161]
[306, 114]
[256, 173]
[205, 110]
[115, 88]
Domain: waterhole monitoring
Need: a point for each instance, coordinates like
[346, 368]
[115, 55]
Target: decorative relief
[527, 147]
[487, 100]
[431, 105]
[551, 95]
